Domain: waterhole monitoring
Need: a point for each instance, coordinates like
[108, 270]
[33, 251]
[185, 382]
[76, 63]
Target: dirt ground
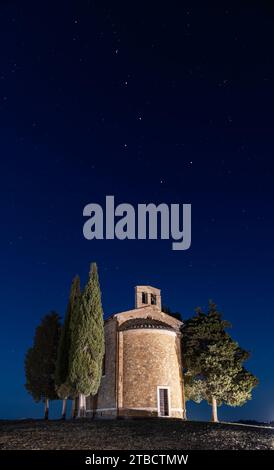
[132, 434]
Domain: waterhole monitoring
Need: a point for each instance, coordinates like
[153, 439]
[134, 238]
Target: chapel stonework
[142, 374]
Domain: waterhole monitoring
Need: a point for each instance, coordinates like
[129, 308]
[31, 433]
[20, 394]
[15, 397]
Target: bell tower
[146, 296]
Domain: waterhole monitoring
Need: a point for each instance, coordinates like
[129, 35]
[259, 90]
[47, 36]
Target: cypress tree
[63, 386]
[87, 345]
[40, 361]
[214, 362]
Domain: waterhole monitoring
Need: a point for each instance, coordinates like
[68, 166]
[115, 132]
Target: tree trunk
[46, 414]
[214, 417]
[73, 409]
[79, 406]
[82, 406]
[94, 403]
[64, 408]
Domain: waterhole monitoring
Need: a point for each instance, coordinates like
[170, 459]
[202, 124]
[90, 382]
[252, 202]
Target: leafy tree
[214, 362]
[87, 344]
[241, 389]
[63, 386]
[40, 361]
[168, 311]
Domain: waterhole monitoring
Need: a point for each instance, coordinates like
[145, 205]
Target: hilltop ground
[132, 434]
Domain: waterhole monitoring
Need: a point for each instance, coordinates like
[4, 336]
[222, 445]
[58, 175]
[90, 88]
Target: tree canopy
[87, 346]
[63, 386]
[168, 311]
[213, 361]
[40, 360]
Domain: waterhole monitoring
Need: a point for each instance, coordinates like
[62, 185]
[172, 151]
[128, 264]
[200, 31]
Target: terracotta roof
[135, 323]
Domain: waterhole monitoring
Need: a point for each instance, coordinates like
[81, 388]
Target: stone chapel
[142, 372]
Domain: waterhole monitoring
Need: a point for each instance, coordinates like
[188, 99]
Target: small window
[144, 298]
[153, 299]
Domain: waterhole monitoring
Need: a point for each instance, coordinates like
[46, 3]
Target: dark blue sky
[149, 103]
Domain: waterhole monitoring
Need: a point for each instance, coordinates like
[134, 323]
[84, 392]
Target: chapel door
[163, 401]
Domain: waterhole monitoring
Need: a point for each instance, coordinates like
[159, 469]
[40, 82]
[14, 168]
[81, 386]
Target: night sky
[149, 102]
